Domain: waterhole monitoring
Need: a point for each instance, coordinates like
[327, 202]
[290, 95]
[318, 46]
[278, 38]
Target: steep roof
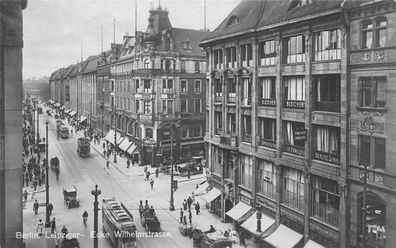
[67, 71]
[193, 36]
[259, 14]
[127, 48]
[92, 63]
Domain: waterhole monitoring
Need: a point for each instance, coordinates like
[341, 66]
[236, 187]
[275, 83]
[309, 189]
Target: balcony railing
[232, 97]
[268, 102]
[247, 139]
[297, 150]
[294, 104]
[293, 200]
[229, 140]
[373, 176]
[267, 143]
[326, 214]
[327, 157]
[328, 106]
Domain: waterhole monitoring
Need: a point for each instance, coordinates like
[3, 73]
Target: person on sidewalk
[147, 175]
[185, 205]
[40, 227]
[50, 208]
[64, 231]
[53, 225]
[34, 184]
[242, 238]
[35, 207]
[104, 152]
[197, 208]
[152, 183]
[107, 164]
[189, 202]
[128, 163]
[85, 217]
[181, 215]
[25, 195]
[156, 172]
[190, 216]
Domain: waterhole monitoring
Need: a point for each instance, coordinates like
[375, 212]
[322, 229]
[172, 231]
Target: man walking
[128, 163]
[35, 207]
[50, 208]
[156, 172]
[107, 163]
[53, 225]
[85, 217]
[190, 216]
[197, 208]
[40, 227]
[189, 202]
[181, 215]
[152, 183]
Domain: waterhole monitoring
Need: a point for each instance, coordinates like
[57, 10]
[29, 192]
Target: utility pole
[172, 205]
[47, 216]
[95, 193]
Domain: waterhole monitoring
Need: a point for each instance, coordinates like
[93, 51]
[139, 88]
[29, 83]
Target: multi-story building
[158, 83]
[11, 176]
[297, 96]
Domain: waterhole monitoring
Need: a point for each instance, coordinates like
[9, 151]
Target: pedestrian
[85, 217]
[128, 163]
[35, 207]
[34, 184]
[104, 145]
[39, 182]
[25, 195]
[64, 231]
[197, 208]
[188, 173]
[185, 205]
[31, 149]
[190, 216]
[53, 225]
[242, 238]
[104, 153]
[107, 163]
[50, 208]
[145, 168]
[147, 175]
[152, 183]
[189, 202]
[40, 227]
[185, 220]
[156, 172]
[27, 179]
[181, 215]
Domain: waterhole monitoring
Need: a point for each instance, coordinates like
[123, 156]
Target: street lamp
[47, 216]
[95, 193]
[172, 205]
[364, 207]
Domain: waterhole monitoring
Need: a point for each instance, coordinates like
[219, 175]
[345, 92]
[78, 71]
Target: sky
[56, 31]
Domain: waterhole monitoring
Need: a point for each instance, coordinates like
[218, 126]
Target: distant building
[294, 88]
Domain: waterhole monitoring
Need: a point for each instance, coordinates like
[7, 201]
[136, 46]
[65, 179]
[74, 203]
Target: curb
[110, 162]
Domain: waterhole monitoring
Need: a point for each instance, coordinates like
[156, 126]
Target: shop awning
[284, 237]
[72, 113]
[202, 188]
[119, 140]
[110, 136]
[125, 144]
[131, 149]
[250, 224]
[211, 195]
[312, 244]
[82, 119]
[57, 105]
[239, 212]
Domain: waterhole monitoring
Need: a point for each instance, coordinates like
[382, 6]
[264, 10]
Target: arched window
[367, 34]
[130, 128]
[167, 45]
[375, 220]
[149, 133]
[197, 67]
[380, 31]
[146, 64]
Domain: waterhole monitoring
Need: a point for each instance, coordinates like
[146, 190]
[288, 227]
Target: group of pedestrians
[187, 210]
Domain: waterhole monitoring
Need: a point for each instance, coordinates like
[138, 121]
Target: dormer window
[232, 21]
[167, 44]
[299, 3]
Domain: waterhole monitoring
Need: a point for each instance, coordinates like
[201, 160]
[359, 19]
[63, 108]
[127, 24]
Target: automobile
[70, 197]
[148, 218]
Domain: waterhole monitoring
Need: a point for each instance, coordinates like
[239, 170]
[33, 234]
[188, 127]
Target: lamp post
[95, 193]
[364, 207]
[172, 205]
[47, 216]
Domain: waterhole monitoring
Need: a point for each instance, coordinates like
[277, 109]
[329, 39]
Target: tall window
[246, 171]
[267, 129]
[367, 34]
[326, 200]
[380, 32]
[231, 123]
[137, 85]
[327, 45]
[167, 106]
[267, 52]
[197, 106]
[372, 151]
[147, 86]
[183, 86]
[294, 92]
[231, 57]
[218, 123]
[167, 85]
[137, 106]
[231, 89]
[183, 105]
[218, 59]
[327, 93]
[147, 107]
[290, 131]
[196, 66]
[184, 132]
[183, 66]
[267, 91]
[246, 128]
[129, 104]
[218, 90]
[295, 49]
[217, 161]
[195, 131]
[197, 86]
[247, 92]
[267, 179]
[327, 144]
[293, 188]
[146, 64]
[372, 92]
[246, 55]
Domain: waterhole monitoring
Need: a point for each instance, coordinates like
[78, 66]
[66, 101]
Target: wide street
[129, 187]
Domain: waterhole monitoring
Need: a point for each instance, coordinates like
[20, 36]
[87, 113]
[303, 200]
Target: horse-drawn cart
[148, 218]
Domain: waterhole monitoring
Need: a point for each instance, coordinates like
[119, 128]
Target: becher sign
[300, 134]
